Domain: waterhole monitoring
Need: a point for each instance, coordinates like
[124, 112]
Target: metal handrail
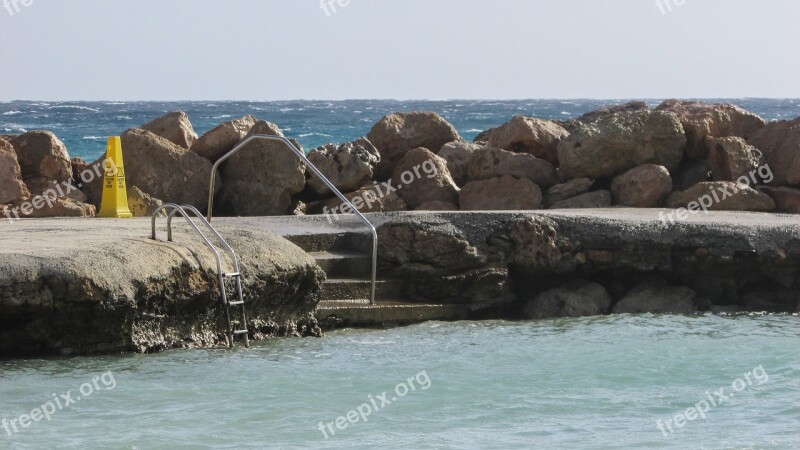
[327, 182]
[213, 230]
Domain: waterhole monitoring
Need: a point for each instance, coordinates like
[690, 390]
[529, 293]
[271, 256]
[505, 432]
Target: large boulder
[787, 200]
[347, 166]
[215, 143]
[731, 158]
[579, 298]
[39, 207]
[396, 134]
[51, 189]
[141, 204]
[174, 127]
[721, 196]
[690, 173]
[159, 168]
[367, 199]
[12, 188]
[504, 193]
[567, 190]
[601, 113]
[780, 143]
[644, 186]
[595, 199]
[537, 137]
[700, 119]
[262, 177]
[622, 141]
[656, 297]
[493, 162]
[421, 176]
[42, 155]
[458, 155]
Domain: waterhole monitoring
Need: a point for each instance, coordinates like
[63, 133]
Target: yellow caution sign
[115, 193]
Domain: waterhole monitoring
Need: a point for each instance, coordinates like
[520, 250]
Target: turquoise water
[84, 126]
[579, 383]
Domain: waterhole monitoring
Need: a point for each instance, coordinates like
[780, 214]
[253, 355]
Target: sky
[397, 49]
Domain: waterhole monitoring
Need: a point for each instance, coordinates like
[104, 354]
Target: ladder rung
[236, 303]
[240, 332]
[232, 275]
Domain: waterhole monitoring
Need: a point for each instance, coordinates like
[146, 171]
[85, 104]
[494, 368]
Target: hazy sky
[401, 49]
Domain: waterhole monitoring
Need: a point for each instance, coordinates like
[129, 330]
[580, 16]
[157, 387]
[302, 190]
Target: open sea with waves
[84, 126]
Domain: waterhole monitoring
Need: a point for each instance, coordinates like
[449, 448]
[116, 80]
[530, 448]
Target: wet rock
[578, 298]
[42, 155]
[215, 143]
[700, 119]
[596, 199]
[174, 127]
[780, 143]
[539, 249]
[620, 142]
[12, 188]
[731, 158]
[458, 155]
[396, 134]
[567, 190]
[493, 162]
[536, 137]
[347, 166]
[644, 186]
[721, 196]
[656, 297]
[261, 178]
[504, 193]
[421, 176]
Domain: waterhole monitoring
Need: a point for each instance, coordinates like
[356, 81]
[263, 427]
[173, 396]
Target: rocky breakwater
[582, 263]
[88, 286]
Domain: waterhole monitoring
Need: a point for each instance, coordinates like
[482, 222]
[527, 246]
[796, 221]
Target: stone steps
[333, 314]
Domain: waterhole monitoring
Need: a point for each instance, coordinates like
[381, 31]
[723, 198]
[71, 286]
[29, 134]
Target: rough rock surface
[51, 189]
[690, 173]
[780, 143]
[437, 205]
[12, 187]
[620, 142]
[367, 199]
[215, 143]
[786, 199]
[261, 178]
[396, 134]
[644, 186]
[490, 162]
[601, 113]
[701, 119]
[595, 199]
[501, 194]
[655, 296]
[722, 196]
[537, 137]
[458, 155]
[347, 166]
[422, 176]
[731, 158]
[109, 288]
[578, 298]
[141, 204]
[563, 191]
[42, 155]
[174, 127]
[483, 137]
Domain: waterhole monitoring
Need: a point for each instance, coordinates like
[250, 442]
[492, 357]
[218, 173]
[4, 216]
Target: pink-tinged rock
[731, 158]
[644, 186]
[490, 162]
[174, 127]
[536, 137]
[504, 193]
[42, 155]
[786, 199]
[12, 188]
[422, 176]
[215, 143]
[780, 143]
[721, 196]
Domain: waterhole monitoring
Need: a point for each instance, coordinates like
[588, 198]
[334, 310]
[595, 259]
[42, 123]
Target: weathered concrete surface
[85, 286]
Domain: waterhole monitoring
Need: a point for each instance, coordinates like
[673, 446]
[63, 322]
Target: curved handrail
[316, 171]
[213, 230]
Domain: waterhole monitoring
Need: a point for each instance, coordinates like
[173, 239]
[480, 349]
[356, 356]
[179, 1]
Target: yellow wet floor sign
[115, 193]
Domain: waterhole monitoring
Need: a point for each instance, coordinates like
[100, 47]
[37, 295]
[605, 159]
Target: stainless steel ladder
[172, 209]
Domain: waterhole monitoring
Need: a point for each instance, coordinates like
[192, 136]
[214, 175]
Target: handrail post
[316, 171]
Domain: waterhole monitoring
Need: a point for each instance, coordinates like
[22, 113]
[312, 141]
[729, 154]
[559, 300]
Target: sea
[612, 382]
[85, 126]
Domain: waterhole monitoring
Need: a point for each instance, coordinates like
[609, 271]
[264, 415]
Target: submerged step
[387, 312]
[356, 288]
[344, 264]
[327, 241]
